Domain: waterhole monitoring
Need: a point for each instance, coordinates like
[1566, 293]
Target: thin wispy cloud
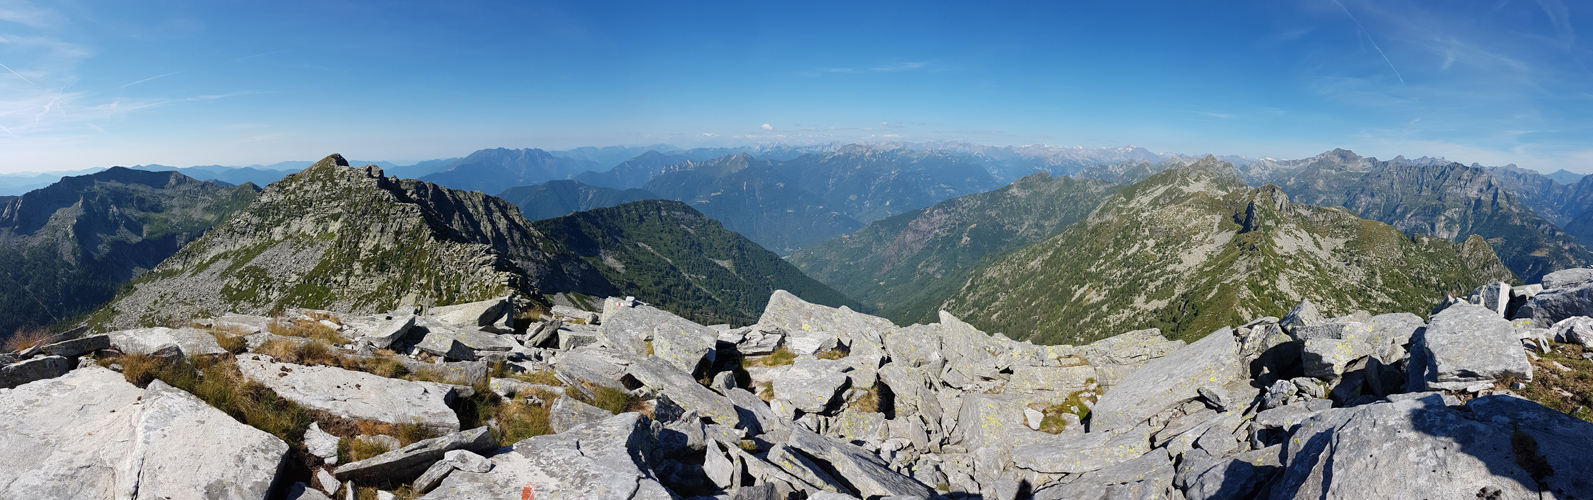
[126, 85]
[901, 66]
[263, 54]
[1362, 31]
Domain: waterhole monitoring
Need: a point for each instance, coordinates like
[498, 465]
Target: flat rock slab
[862, 333]
[1469, 344]
[568, 413]
[405, 464]
[39, 368]
[77, 347]
[1568, 278]
[193, 341]
[674, 339]
[355, 395]
[1551, 306]
[88, 435]
[471, 314]
[684, 391]
[811, 384]
[865, 471]
[1169, 380]
[1416, 448]
[607, 460]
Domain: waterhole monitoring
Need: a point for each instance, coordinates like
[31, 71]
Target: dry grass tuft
[305, 329]
[869, 402]
[26, 337]
[831, 354]
[780, 357]
[218, 382]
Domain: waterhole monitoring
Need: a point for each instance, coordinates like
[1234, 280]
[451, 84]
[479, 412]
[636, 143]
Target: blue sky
[99, 83]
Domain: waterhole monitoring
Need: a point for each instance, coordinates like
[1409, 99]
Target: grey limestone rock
[193, 341]
[90, 434]
[1493, 296]
[1466, 345]
[357, 395]
[1551, 306]
[1303, 314]
[1076, 453]
[76, 347]
[405, 464]
[1168, 381]
[1573, 330]
[568, 413]
[320, 443]
[1202, 477]
[1568, 278]
[811, 385]
[472, 314]
[381, 334]
[40, 368]
[669, 380]
[610, 459]
[870, 476]
[563, 311]
[1416, 448]
[1114, 358]
[301, 491]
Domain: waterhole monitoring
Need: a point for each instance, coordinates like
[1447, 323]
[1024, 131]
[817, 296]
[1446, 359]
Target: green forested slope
[670, 255]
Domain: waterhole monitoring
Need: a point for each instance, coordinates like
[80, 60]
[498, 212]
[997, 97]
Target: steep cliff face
[1192, 248]
[335, 237]
[1447, 200]
[65, 248]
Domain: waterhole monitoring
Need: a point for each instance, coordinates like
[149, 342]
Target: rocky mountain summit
[65, 249]
[1193, 248]
[476, 401]
[1443, 199]
[351, 239]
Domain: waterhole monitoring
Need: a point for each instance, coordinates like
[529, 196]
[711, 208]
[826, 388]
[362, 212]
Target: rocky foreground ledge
[810, 402]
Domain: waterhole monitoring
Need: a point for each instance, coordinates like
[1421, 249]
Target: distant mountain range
[66, 248]
[1432, 197]
[1192, 248]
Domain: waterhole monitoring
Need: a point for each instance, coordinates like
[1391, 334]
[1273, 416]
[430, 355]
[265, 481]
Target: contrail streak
[19, 75]
[1369, 39]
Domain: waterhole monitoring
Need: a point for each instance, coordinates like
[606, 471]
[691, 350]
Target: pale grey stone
[567, 413]
[748, 403]
[1033, 418]
[468, 461]
[611, 459]
[301, 491]
[1416, 448]
[799, 466]
[329, 484]
[811, 385]
[473, 314]
[40, 368]
[356, 395]
[719, 468]
[1210, 478]
[76, 347]
[321, 444]
[193, 341]
[382, 334]
[865, 471]
[1303, 314]
[754, 341]
[1075, 453]
[861, 333]
[1493, 297]
[562, 311]
[590, 366]
[1568, 278]
[1551, 306]
[1114, 358]
[87, 435]
[669, 380]
[1168, 381]
[405, 464]
[1573, 330]
[1061, 379]
[1465, 345]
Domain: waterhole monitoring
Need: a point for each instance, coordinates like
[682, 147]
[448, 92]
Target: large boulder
[1464, 346]
[1168, 381]
[670, 381]
[607, 460]
[567, 413]
[862, 333]
[90, 434]
[679, 341]
[405, 464]
[39, 368]
[1568, 278]
[76, 347]
[1115, 357]
[1551, 306]
[870, 476]
[193, 341]
[355, 395]
[1493, 296]
[382, 331]
[1420, 448]
[473, 314]
[811, 385]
